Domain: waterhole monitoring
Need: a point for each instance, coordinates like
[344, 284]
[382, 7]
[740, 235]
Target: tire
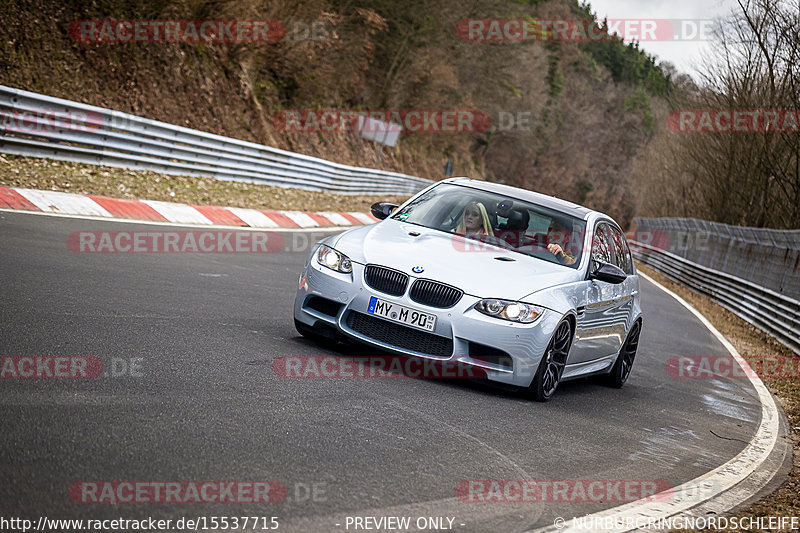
[312, 334]
[548, 375]
[627, 354]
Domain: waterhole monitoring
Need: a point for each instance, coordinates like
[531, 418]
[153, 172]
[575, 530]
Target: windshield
[516, 225]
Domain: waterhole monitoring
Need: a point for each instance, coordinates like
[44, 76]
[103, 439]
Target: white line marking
[63, 202]
[253, 218]
[709, 485]
[178, 212]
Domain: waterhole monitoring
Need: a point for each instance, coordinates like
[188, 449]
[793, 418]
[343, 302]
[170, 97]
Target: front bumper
[461, 325]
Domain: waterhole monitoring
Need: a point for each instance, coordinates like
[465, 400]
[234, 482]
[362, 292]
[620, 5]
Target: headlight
[330, 258]
[513, 311]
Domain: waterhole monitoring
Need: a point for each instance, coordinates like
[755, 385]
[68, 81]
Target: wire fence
[753, 272]
[36, 125]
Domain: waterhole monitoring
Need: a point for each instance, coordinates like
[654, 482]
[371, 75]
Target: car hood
[471, 266]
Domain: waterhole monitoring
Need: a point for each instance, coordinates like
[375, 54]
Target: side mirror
[381, 210]
[608, 273]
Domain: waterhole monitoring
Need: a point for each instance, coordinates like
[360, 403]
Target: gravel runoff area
[64, 176]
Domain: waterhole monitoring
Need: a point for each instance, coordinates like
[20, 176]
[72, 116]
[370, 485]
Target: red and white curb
[154, 211]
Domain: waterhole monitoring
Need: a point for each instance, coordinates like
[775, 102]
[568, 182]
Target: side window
[601, 250]
[538, 224]
[629, 255]
[621, 251]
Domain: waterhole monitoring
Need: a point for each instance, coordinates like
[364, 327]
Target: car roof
[551, 202]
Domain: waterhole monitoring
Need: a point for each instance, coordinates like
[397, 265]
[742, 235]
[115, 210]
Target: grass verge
[51, 175]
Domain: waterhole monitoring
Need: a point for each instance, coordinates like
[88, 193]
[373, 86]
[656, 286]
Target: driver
[558, 238]
[474, 220]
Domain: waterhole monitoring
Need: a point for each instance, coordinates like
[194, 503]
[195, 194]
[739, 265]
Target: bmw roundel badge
[417, 269]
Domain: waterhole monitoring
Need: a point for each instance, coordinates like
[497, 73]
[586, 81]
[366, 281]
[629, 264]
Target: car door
[601, 318]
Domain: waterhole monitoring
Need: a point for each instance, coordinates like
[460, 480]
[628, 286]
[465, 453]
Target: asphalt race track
[203, 403]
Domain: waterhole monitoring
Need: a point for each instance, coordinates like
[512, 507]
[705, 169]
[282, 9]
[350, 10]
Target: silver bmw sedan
[529, 289]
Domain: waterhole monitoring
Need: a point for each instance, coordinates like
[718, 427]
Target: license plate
[402, 315]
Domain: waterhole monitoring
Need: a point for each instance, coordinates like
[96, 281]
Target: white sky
[684, 55]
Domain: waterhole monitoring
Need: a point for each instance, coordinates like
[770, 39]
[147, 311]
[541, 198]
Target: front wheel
[548, 375]
[622, 367]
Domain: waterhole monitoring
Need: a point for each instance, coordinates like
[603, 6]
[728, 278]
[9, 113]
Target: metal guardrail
[775, 313]
[766, 257]
[36, 125]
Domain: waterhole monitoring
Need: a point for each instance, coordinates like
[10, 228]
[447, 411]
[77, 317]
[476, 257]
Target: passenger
[474, 221]
[558, 238]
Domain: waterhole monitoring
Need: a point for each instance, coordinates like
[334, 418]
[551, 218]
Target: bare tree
[748, 178]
